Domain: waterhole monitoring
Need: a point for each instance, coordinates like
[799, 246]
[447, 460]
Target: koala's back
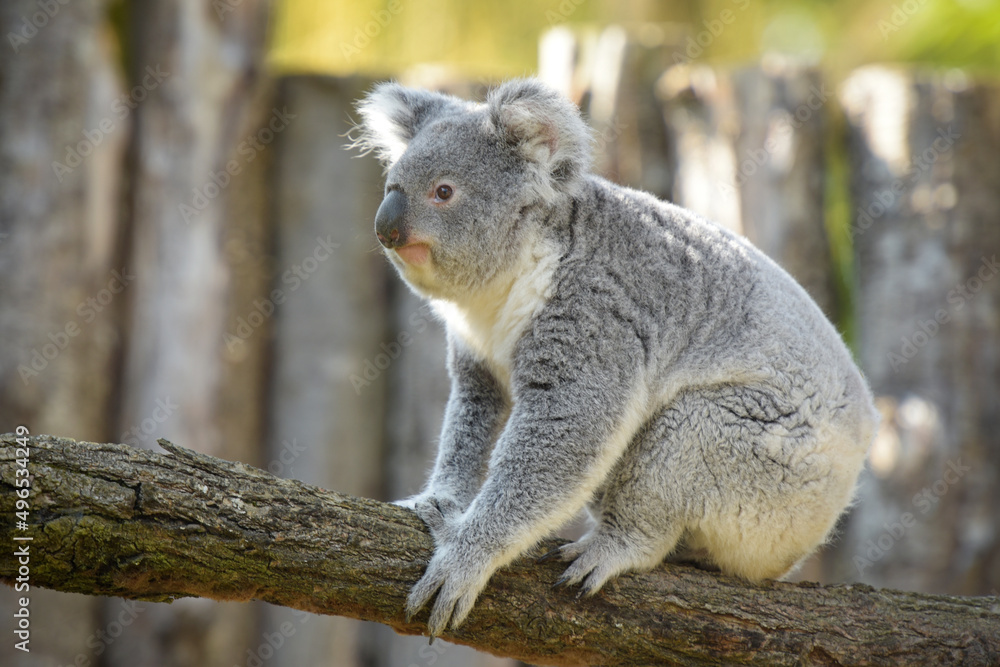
[700, 307]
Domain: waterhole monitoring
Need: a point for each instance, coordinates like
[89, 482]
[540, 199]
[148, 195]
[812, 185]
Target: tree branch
[113, 520]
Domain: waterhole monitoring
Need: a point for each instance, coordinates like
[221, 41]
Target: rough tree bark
[112, 520]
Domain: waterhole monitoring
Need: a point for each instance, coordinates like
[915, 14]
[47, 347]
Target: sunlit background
[499, 38]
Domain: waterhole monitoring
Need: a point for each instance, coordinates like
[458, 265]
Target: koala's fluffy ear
[544, 126]
[391, 115]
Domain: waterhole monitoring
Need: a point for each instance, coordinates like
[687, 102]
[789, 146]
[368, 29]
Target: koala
[607, 350]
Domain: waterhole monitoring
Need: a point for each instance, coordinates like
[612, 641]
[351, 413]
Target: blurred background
[186, 250]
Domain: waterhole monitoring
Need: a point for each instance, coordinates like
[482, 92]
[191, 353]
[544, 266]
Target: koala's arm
[572, 417]
[473, 417]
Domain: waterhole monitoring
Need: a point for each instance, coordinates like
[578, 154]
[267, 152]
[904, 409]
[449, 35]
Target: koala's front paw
[440, 511]
[457, 575]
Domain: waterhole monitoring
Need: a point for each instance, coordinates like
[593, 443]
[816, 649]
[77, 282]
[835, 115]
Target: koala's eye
[444, 192]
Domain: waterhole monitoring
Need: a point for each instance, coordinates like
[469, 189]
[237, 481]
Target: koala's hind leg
[639, 513]
[767, 477]
[750, 485]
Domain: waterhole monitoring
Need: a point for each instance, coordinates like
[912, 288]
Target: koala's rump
[758, 421]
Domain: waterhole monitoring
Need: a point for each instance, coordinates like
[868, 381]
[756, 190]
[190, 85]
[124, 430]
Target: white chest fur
[491, 321]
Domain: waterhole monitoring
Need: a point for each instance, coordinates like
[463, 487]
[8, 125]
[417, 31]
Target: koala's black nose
[389, 225]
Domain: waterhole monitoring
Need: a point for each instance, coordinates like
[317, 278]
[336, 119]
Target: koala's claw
[457, 583]
[440, 513]
[422, 592]
[590, 586]
[593, 583]
[594, 560]
[430, 511]
[582, 567]
[549, 555]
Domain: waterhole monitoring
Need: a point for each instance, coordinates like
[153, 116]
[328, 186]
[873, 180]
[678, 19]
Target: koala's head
[465, 182]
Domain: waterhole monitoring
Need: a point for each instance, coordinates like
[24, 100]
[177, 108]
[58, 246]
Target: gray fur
[607, 350]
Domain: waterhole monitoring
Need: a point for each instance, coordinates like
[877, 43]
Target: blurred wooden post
[926, 192]
[248, 252]
[194, 71]
[781, 170]
[194, 74]
[62, 156]
[327, 403]
[749, 152]
[417, 385]
[702, 123]
[62, 149]
[611, 74]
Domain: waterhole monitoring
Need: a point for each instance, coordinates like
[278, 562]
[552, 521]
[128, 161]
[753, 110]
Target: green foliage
[838, 219]
[951, 33]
